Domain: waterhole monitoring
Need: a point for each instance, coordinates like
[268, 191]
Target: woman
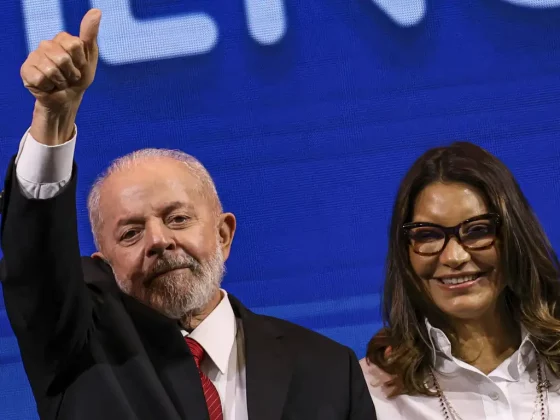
[471, 298]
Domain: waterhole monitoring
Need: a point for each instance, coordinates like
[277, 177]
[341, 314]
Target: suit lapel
[269, 365]
[170, 358]
[269, 361]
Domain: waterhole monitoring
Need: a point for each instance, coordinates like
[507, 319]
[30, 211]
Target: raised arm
[47, 301]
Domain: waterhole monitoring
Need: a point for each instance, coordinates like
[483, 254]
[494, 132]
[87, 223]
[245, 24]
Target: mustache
[170, 263]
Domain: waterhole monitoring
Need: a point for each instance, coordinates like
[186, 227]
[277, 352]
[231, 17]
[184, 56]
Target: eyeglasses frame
[452, 231]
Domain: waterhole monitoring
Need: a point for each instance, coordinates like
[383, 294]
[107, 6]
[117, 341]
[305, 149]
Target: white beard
[180, 294]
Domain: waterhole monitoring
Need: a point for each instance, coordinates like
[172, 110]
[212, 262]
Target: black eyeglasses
[475, 233]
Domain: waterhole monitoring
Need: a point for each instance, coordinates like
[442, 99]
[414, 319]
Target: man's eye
[129, 234]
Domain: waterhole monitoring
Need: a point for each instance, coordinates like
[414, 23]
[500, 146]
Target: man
[149, 334]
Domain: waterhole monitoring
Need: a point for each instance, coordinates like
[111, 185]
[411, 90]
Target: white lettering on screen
[124, 39]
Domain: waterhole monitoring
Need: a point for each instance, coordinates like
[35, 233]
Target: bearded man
[142, 329]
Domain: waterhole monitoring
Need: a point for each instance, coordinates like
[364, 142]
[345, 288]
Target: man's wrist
[54, 128]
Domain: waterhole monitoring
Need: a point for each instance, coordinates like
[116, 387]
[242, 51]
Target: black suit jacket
[92, 352]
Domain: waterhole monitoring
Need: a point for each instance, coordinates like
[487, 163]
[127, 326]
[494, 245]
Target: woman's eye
[426, 235]
[477, 230]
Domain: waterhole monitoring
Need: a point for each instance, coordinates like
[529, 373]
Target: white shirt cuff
[37, 163]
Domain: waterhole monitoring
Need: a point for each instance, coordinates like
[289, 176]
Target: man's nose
[454, 255]
[159, 239]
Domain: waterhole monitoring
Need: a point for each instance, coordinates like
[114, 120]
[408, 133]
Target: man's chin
[176, 275]
[178, 311]
[178, 305]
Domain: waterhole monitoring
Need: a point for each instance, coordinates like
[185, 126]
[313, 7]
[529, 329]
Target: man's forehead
[150, 171]
[150, 181]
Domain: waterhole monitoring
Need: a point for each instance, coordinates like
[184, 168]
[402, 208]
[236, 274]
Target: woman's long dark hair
[529, 267]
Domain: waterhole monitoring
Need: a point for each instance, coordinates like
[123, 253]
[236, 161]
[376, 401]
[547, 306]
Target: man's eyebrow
[166, 209]
[176, 205]
[132, 220]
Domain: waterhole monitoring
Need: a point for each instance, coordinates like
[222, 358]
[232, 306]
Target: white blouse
[507, 393]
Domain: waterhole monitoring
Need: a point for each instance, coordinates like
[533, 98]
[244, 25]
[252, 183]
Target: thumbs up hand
[59, 71]
[57, 74]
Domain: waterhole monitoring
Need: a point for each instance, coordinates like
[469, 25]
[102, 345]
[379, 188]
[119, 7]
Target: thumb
[89, 28]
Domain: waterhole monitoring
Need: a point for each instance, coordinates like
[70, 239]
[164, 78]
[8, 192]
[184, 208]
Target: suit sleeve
[361, 404]
[47, 301]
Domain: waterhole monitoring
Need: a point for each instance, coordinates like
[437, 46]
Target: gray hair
[206, 184]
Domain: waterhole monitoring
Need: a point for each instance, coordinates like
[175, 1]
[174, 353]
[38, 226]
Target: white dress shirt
[507, 393]
[42, 171]
[221, 337]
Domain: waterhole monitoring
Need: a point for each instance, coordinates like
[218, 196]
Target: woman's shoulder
[375, 376]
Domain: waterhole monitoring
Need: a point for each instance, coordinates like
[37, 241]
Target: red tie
[210, 392]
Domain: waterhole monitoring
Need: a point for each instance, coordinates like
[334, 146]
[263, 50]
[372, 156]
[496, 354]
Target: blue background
[308, 138]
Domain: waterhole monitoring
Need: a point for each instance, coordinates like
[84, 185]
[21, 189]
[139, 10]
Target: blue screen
[307, 113]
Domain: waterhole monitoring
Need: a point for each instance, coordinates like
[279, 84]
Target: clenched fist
[59, 71]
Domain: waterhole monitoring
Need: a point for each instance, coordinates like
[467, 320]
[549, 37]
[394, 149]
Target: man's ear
[226, 231]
